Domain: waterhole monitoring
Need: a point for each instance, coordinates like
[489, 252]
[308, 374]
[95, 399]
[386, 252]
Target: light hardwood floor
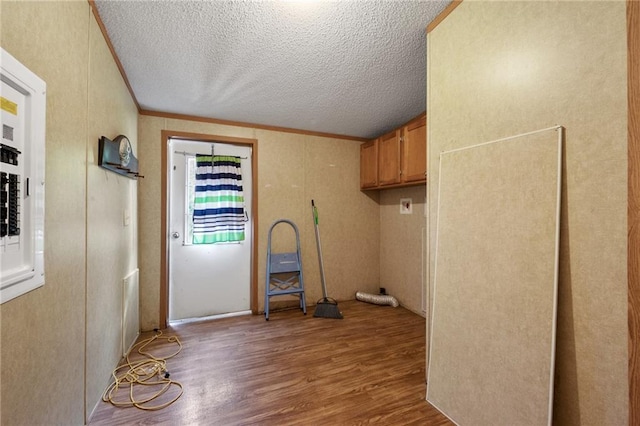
[368, 368]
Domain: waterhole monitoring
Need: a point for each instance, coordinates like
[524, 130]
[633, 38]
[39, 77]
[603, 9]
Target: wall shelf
[117, 156]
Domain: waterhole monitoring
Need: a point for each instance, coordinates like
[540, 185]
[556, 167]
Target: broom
[325, 307]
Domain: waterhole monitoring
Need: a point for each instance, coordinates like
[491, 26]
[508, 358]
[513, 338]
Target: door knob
[176, 235]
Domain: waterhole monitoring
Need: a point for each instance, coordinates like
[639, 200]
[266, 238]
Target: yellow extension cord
[151, 371]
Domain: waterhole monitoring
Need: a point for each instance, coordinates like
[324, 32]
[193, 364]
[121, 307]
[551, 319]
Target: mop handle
[319, 246]
[315, 212]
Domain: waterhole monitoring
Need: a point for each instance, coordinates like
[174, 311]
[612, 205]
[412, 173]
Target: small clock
[125, 151]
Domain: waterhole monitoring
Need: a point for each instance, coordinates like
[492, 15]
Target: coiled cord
[151, 371]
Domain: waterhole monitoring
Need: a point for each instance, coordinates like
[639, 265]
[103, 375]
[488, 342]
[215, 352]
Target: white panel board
[493, 326]
[130, 311]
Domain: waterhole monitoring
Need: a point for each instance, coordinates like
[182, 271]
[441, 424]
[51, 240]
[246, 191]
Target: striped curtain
[218, 208]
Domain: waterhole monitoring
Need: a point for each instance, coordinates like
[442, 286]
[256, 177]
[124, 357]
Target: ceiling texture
[353, 68]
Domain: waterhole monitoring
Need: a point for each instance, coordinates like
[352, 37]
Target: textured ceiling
[353, 68]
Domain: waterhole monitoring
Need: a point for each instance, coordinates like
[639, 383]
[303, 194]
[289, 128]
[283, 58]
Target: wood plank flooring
[368, 368]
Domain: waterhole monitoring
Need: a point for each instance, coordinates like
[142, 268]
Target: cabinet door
[414, 145]
[369, 164]
[389, 158]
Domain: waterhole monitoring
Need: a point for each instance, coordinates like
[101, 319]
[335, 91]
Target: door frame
[633, 207]
[164, 214]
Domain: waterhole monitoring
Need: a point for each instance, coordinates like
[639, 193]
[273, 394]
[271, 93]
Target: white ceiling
[352, 68]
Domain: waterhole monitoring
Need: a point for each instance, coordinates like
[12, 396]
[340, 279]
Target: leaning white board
[493, 331]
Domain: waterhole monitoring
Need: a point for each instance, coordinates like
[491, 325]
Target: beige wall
[49, 334]
[498, 69]
[402, 246]
[112, 247]
[292, 169]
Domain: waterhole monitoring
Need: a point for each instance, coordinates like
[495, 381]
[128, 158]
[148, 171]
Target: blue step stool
[284, 271]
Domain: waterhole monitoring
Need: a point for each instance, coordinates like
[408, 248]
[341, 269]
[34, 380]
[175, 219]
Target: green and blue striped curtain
[218, 209]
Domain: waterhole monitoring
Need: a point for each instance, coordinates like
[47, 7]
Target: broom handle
[314, 210]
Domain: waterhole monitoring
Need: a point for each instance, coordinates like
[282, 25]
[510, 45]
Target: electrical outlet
[406, 206]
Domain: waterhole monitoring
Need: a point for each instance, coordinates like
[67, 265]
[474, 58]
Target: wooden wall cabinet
[414, 149]
[389, 157]
[369, 164]
[398, 158]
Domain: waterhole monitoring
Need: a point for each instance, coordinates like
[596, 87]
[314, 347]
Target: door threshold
[208, 318]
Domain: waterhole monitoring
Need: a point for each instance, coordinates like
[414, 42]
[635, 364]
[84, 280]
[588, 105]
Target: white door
[205, 279]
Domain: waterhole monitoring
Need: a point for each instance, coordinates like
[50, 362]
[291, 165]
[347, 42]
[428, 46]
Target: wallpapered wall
[75, 318]
[292, 170]
[497, 69]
